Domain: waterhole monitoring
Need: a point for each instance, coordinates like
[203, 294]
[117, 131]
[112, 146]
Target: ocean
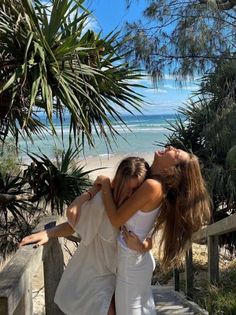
[141, 135]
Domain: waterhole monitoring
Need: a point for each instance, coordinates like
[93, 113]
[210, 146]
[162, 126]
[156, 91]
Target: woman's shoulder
[153, 183]
[151, 193]
[153, 187]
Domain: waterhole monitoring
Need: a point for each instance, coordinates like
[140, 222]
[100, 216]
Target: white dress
[88, 282]
[133, 294]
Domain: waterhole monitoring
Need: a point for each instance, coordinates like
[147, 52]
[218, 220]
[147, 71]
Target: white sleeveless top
[141, 224]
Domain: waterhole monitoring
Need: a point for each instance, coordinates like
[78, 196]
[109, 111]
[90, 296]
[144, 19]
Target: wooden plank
[12, 280]
[213, 259]
[171, 302]
[189, 273]
[221, 227]
[176, 279]
[53, 268]
[200, 235]
[3, 305]
[25, 306]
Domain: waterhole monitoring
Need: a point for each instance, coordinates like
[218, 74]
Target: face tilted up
[171, 156]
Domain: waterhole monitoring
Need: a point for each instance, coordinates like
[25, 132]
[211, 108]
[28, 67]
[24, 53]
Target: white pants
[133, 294]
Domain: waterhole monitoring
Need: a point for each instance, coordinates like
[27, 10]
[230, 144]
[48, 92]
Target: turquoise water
[143, 132]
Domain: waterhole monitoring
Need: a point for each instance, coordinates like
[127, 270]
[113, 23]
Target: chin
[156, 156]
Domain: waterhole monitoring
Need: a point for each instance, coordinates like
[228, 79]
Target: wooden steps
[170, 302]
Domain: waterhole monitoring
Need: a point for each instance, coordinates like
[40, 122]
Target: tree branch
[193, 56]
[6, 198]
[228, 5]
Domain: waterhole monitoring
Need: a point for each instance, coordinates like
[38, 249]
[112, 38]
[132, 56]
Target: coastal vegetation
[207, 127]
[196, 39]
[183, 38]
[51, 62]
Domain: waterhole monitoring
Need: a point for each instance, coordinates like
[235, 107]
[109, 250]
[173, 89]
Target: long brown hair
[185, 209]
[130, 167]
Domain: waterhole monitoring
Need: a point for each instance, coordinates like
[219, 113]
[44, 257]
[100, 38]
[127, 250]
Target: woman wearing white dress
[176, 185]
[88, 282]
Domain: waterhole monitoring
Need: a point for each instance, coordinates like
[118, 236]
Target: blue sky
[111, 14]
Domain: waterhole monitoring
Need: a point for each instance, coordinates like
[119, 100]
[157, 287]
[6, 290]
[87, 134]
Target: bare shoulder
[151, 189]
[151, 193]
[147, 197]
[153, 185]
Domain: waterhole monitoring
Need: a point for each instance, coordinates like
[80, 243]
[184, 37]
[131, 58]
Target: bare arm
[73, 210]
[42, 237]
[147, 197]
[133, 242]
[64, 229]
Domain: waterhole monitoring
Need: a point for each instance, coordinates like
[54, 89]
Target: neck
[156, 169]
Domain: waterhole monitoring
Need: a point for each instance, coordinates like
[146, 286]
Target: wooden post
[213, 259]
[189, 273]
[176, 278]
[3, 305]
[53, 265]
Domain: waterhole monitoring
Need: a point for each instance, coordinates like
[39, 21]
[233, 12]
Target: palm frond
[57, 183]
[48, 62]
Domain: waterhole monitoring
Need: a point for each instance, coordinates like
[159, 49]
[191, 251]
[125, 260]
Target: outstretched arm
[147, 197]
[42, 237]
[64, 229]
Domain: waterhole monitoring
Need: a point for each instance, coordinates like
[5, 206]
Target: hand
[132, 240]
[101, 180]
[39, 238]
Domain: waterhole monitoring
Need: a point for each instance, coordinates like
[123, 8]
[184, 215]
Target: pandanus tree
[50, 63]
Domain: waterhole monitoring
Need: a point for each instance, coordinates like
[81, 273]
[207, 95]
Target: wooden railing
[16, 277]
[210, 233]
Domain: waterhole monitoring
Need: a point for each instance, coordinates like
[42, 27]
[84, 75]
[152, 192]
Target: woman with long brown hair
[174, 198]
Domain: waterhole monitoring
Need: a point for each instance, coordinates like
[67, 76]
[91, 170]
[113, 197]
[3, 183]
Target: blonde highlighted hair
[130, 168]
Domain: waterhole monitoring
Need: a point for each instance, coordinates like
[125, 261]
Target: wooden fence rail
[16, 277]
[211, 234]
